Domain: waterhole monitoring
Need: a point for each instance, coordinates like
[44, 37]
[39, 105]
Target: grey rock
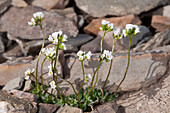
[27, 85]
[158, 40]
[15, 83]
[19, 3]
[154, 98]
[2, 47]
[51, 4]
[13, 104]
[4, 4]
[145, 69]
[68, 109]
[117, 7]
[110, 107]
[25, 95]
[52, 22]
[47, 108]
[144, 31]
[166, 11]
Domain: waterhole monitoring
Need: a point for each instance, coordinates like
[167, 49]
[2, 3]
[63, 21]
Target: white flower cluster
[84, 56]
[28, 73]
[49, 52]
[132, 28]
[52, 84]
[38, 17]
[106, 55]
[58, 38]
[106, 26]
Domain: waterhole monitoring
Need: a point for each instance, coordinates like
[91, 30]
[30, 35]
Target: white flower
[109, 56]
[102, 56]
[55, 35]
[32, 22]
[65, 37]
[50, 38]
[50, 73]
[60, 32]
[89, 53]
[104, 22]
[88, 76]
[131, 26]
[79, 53]
[87, 56]
[43, 50]
[63, 45]
[117, 31]
[38, 15]
[105, 52]
[137, 29]
[27, 77]
[52, 84]
[49, 52]
[55, 41]
[29, 71]
[81, 57]
[111, 25]
[124, 32]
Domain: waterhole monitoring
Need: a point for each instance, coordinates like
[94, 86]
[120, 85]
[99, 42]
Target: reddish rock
[93, 27]
[19, 3]
[160, 23]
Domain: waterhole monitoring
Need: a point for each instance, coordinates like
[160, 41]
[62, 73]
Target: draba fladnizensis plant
[84, 98]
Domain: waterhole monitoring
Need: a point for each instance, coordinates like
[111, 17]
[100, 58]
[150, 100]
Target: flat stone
[52, 22]
[4, 4]
[19, 3]
[154, 98]
[15, 83]
[103, 8]
[166, 11]
[110, 107]
[27, 85]
[15, 104]
[160, 23]
[68, 109]
[158, 40]
[145, 69]
[11, 71]
[47, 108]
[94, 26]
[21, 94]
[51, 4]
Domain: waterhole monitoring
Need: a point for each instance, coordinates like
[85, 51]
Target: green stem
[42, 71]
[101, 43]
[56, 61]
[82, 82]
[39, 54]
[114, 42]
[127, 65]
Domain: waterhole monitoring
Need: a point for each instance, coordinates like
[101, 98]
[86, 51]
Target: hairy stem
[42, 71]
[126, 67]
[114, 42]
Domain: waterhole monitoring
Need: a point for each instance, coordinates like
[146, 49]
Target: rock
[2, 47]
[144, 31]
[20, 28]
[67, 12]
[153, 65]
[27, 85]
[68, 109]
[2, 59]
[94, 26]
[154, 98]
[110, 107]
[158, 40]
[20, 94]
[16, 83]
[47, 108]
[94, 45]
[4, 4]
[166, 11]
[51, 4]
[73, 43]
[11, 71]
[13, 104]
[19, 3]
[113, 7]
[160, 23]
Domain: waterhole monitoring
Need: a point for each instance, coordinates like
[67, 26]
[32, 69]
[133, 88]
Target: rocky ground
[147, 86]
